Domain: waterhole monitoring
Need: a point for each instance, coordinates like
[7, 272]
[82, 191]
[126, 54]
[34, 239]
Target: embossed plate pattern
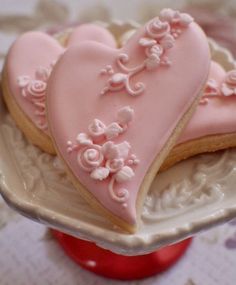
[193, 195]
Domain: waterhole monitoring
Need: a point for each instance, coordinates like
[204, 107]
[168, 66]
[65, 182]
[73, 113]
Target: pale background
[28, 254]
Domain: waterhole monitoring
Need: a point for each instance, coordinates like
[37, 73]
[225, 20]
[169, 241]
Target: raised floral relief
[34, 90]
[202, 185]
[161, 34]
[102, 158]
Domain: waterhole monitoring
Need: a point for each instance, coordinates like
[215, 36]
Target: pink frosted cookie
[27, 69]
[212, 126]
[114, 121]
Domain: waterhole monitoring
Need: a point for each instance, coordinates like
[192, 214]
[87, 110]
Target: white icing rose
[152, 62]
[123, 149]
[231, 78]
[228, 87]
[155, 49]
[211, 84]
[175, 17]
[167, 14]
[211, 87]
[125, 174]
[42, 73]
[36, 88]
[83, 139]
[147, 42]
[96, 128]
[185, 19]
[100, 173]
[90, 157]
[125, 115]
[157, 29]
[110, 150]
[114, 164]
[113, 130]
[23, 81]
[167, 42]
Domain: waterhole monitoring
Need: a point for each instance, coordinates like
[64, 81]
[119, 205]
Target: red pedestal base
[108, 264]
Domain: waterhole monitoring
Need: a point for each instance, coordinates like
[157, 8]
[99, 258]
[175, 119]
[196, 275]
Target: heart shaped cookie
[26, 71]
[114, 114]
[212, 126]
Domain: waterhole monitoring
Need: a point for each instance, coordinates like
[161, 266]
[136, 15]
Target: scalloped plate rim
[124, 243]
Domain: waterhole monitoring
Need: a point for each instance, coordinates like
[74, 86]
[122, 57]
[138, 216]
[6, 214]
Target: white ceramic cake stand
[192, 196]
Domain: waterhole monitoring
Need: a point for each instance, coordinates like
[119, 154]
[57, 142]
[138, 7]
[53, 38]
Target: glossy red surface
[108, 264]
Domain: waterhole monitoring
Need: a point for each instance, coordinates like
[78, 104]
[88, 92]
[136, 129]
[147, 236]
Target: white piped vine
[34, 90]
[225, 89]
[161, 34]
[102, 158]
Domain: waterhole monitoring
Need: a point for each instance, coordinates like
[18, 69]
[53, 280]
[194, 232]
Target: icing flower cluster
[226, 88]
[161, 34]
[211, 90]
[102, 158]
[96, 152]
[34, 90]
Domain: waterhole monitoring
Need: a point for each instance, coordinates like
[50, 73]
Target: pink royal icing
[168, 93]
[216, 112]
[30, 61]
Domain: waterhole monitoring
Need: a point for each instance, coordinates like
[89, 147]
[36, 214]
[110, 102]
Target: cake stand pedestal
[190, 197]
[111, 265]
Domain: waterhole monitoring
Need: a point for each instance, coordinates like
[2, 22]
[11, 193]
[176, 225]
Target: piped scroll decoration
[160, 36]
[34, 90]
[102, 158]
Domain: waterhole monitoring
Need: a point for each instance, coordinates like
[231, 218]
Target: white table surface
[28, 253]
